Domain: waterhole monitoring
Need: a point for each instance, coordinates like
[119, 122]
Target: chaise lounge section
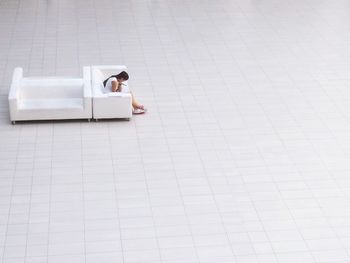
[50, 98]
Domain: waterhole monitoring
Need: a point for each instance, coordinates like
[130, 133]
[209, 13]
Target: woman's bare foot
[141, 107]
[138, 111]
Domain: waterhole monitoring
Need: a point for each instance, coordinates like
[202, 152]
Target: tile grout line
[31, 190]
[50, 193]
[83, 189]
[115, 190]
[11, 196]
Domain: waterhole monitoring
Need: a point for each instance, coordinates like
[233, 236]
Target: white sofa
[109, 105]
[49, 98]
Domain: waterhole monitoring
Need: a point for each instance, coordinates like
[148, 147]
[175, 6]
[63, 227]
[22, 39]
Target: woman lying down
[115, 84]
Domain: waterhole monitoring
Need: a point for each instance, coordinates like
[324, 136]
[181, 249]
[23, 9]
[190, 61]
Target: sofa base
[49, 120]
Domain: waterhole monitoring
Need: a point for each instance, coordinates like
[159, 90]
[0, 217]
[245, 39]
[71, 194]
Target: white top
[108, 88]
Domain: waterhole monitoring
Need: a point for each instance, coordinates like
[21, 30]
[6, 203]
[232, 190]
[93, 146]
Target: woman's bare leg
[134, 103]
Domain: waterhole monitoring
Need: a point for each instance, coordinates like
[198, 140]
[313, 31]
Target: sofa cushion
[51, 88]
[51, 104]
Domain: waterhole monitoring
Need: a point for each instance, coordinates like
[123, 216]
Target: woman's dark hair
[123, 75]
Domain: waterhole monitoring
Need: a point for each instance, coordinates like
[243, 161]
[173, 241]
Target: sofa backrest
[45, 88]
[97, 78]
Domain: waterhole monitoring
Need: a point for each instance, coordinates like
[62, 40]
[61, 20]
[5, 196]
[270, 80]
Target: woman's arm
[116, 86]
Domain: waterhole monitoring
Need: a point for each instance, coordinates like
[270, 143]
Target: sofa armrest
[14, 93]
[87, 82]
[15, 84]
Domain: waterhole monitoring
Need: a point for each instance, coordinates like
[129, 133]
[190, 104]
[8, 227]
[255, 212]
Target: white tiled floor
[243, 156]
